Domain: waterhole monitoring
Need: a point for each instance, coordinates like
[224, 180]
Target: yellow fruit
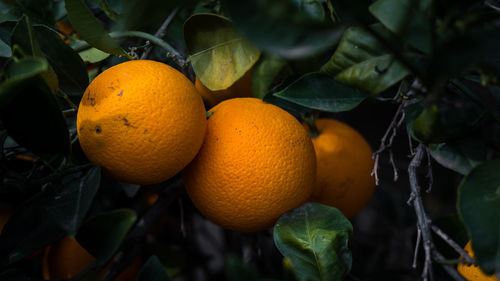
[344, 161]
[240, 88]
[473, 272]
[5, 215]
[142, 121]
[256, 163]
[65, 259]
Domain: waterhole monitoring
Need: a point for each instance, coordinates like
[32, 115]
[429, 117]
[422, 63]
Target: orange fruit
[130, 273]
[66, 28]
[256, 163]
[473, 272]
[5, 214]
[240, 88]
[65, 259]
[344, 161]
[142, 121]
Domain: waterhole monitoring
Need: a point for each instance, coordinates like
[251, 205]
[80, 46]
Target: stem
[161, 31]
[310, 119]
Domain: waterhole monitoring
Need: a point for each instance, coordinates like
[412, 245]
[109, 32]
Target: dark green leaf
[29, 111]
[267, 73]
[315, 238]
[41, 11]
[361, 61]
[320, 91]
[5, 50]
[103, 234]
[89, 29]
[237, 270]
[461, 155]
[280, 27]
[70, 205]
[406, 18]
[152, 270]
[479, 206]
[67, 64]
[24, 36]
[219, 55]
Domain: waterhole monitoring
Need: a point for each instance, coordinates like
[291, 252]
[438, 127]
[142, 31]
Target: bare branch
[417, 247]
[468, 259]
[161, 31]
[451, 270]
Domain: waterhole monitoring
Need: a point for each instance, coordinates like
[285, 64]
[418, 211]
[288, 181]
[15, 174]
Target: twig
[450, 269]
[386, 142]
[429, 174]
[417, 248]
[467, 258]
[422, 219]
[161, 31]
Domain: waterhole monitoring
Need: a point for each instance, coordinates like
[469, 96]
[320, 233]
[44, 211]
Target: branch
[422, 219]
[468, 259]
[60, 174]
[161, 31]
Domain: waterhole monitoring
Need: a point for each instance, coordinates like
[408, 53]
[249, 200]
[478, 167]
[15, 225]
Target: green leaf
[280, 27]
[406, 18]
[461, 155]
[320, 91]
[68, 66]
[29, 111]
[89, 29]
[93, 55]
[5, 50]
[69, 207]
[479, 207]
[152, 270]
[41, 11]
[315, 237]
[268, 71]
[218, 54]
[48, 216]
[103, 234]
[361, 61]
[24, 36]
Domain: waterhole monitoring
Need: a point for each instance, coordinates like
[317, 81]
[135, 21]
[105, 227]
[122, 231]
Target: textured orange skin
[256, 163]
[344, 161]
[473, 272]
[5, 215]
[240, 88]
[65, 259]
[142, 121]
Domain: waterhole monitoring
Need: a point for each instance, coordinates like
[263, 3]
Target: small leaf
[152, 270]
[103, 234]
[5, 50]
[460, 155]
[89, 29]
[406, 18]
[315, 237]
[479, 207]
[361, 61]
[93, 55]
[219, 55]
[267, 73]
[320, 91]
[280, 27]
[69, 206]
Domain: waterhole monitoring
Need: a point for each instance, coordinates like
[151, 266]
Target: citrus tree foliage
[438, 59]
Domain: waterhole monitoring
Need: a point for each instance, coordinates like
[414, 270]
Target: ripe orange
[256, 163]
[65, 259]
[67, 29]
[240, 88]
[473, 272]
[344, 161]
[142, 121]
